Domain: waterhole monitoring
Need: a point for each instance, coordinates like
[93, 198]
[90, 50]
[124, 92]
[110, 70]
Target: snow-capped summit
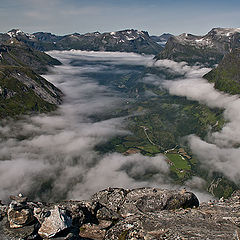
[210, 39]
[14, 33]
[224, 31]
[129, 40]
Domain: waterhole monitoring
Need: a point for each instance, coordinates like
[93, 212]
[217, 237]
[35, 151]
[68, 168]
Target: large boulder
[144, 200]
[55, 221]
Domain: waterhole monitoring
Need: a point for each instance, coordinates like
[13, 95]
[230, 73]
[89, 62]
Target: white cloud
[221, 150]
[57, 149]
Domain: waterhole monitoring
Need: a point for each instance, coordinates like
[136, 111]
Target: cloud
[111, 58]
[220, 151]
[196, 185]
[215, 158]
[17, 174]
[121, 171]
[52, 156]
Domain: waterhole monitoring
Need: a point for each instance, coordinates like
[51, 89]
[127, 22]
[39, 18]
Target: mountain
[123, 41]
[207, 50]
[226, 76]
[22, 89]
[117, 213]
[18, 54]
[161, 40]
[40, 41]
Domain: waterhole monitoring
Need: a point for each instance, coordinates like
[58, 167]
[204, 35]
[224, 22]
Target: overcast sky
[154, 16]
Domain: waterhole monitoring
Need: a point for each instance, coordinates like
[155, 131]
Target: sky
[155, 16]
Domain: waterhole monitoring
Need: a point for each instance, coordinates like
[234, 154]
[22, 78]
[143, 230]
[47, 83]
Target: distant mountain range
[124, 41]
[207, 50]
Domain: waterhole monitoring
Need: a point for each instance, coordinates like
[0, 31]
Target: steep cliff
[22, 89]
[226, 76]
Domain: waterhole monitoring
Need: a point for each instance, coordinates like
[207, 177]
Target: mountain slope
[123, 41]
[226, 77]
[22, 90]
[18, 54]
[207, 50]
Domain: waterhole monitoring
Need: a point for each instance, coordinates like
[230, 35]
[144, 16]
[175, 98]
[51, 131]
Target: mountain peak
[224, 31]
[15, 32]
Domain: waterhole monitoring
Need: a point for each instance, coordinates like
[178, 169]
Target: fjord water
[55, 156]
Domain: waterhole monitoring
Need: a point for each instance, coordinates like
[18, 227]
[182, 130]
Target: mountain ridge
[128, 40]
[208, 49]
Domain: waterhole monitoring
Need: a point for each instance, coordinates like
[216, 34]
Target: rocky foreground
[116, 213]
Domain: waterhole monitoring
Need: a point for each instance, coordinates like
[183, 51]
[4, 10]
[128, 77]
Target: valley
[157, 122]
[119, 120]
[148, 120]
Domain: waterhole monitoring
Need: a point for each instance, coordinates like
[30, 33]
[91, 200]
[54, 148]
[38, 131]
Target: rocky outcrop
[144, 200]
[207, 50]
[19, 213]
[116, 213]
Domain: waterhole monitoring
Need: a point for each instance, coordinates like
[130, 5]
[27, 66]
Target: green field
[178, 161]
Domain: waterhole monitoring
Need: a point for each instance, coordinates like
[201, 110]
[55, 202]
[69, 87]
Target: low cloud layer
[220, 152]
[52, 157]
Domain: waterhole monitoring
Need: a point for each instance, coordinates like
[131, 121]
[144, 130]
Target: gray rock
[127, 202]
[94, 231]
[113, 198]
[19, 199]
[3, 210]
[55, 221]
[144, 213]
[107, 214]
